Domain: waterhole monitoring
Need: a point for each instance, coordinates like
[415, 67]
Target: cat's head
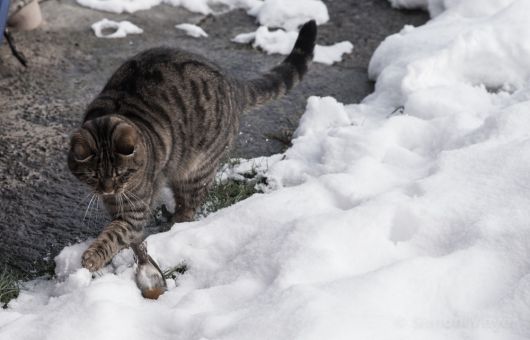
[107, 154]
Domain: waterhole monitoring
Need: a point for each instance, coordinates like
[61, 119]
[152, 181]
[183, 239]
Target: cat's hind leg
[189, 196]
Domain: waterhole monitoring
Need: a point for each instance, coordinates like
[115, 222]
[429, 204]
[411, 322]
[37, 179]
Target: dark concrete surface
[41, 204]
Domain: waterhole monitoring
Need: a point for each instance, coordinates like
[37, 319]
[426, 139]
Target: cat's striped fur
[165, 118]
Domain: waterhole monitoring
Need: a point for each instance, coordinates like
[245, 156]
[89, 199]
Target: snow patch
[291, 14]
[468, 8]
[196, 6]
[244, 38]
[332, 54]
[282, 42]
[131, 6]
[192, 30]
[122, 28]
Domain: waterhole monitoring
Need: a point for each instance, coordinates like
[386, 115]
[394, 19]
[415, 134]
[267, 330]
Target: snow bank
[131, 6]
[468, 8]
[119, 6]
[403, 217]
[192, 30]
[121, 28]
[274, 13]
[282, 42]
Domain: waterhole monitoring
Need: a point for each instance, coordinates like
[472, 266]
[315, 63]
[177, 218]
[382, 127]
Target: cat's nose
[107, 186]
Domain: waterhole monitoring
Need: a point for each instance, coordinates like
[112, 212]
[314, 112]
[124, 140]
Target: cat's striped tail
[283, 77]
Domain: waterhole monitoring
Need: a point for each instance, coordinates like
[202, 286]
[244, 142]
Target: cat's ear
[125, 138]
[82, 146]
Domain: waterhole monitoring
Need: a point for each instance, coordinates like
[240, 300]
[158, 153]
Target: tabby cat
[164, 119]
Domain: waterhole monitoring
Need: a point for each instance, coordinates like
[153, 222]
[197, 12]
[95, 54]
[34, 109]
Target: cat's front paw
[92, 259]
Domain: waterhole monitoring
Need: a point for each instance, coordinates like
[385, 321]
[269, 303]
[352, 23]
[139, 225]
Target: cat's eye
[86, 159]
[124, 149]
[124, 138]
[82, 153]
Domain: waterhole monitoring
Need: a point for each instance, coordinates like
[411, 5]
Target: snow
[237, 168]
[402, 217]
[291, 14]
[197, 6]
[282, 42]
[245, 38]
[119, 6]
[332, 54]
[131, 6]
[192, 30]
[122, 28]
[468, 8]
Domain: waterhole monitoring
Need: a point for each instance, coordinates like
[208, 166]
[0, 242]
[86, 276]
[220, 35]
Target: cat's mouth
[109, 190]
[110, 193]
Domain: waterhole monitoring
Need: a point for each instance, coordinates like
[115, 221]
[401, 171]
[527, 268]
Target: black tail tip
[306, 38]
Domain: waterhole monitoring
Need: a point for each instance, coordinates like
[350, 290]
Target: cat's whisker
[135, 207]
[88, 207]
[121, 206]
[129, 200]
[98, 211]
[92, 220]
[93, 212]
[84, 198]
[149, 210]
[140, 200]
[83, 172]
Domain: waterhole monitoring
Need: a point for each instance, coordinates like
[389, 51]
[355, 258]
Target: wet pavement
[42, 206]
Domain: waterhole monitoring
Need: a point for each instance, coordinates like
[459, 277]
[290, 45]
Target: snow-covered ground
[403, 217]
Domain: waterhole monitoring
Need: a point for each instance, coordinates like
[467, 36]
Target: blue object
[4, 10]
